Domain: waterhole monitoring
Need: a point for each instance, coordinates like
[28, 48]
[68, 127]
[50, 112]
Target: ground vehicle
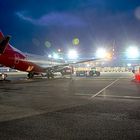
[81, 73]
[91, 72]
[67, 71]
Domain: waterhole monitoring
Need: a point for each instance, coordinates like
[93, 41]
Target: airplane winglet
[3, 44]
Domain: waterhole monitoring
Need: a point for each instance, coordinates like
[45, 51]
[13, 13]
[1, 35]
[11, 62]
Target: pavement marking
[83, 94]
[113, 96]
[102, 78]
[104, 88]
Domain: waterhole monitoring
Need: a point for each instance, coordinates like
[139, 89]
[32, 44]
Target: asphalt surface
[77, 108]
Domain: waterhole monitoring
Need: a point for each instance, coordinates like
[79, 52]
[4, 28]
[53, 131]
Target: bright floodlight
[50, 56]
[132, 52]
[129, 65]
[55, 56]
[72, 54]
[101, 53]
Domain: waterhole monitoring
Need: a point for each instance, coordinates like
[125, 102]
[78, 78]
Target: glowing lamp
[132, 52]
[72, 54]
[101, 53]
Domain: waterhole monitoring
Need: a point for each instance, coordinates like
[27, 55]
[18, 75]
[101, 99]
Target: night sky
[94, 22]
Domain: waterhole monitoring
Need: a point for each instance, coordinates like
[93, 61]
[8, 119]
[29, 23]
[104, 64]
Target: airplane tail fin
[3, 42]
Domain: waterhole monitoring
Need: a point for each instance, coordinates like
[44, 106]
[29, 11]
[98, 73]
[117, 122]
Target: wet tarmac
[77, 108]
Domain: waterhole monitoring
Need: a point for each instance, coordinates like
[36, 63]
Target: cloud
[53, 19]
[22, 16]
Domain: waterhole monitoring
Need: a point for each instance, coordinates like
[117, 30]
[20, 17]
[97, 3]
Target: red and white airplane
[15, 59]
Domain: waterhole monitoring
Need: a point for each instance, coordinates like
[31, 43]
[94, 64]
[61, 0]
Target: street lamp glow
[101, 53]
[129, 65]
[132, 52]
[72, 54]
[88, 65]
[59, 50]
[55, 56]
[50, 56]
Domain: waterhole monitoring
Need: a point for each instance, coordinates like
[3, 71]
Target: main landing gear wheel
[30, 75]
[3, 76]
[50, 75]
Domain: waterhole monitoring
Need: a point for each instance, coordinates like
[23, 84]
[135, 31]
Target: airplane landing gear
[50, 75]
[3, 76]
[30, 75]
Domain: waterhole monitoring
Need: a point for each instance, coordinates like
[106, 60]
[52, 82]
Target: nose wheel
[3, 76]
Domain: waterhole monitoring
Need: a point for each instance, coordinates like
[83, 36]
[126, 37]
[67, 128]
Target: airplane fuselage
[17, 60]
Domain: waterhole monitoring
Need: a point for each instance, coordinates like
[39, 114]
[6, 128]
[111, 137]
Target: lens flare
[75, 41]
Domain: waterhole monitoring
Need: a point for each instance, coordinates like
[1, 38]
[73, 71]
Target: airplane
[15, 59]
